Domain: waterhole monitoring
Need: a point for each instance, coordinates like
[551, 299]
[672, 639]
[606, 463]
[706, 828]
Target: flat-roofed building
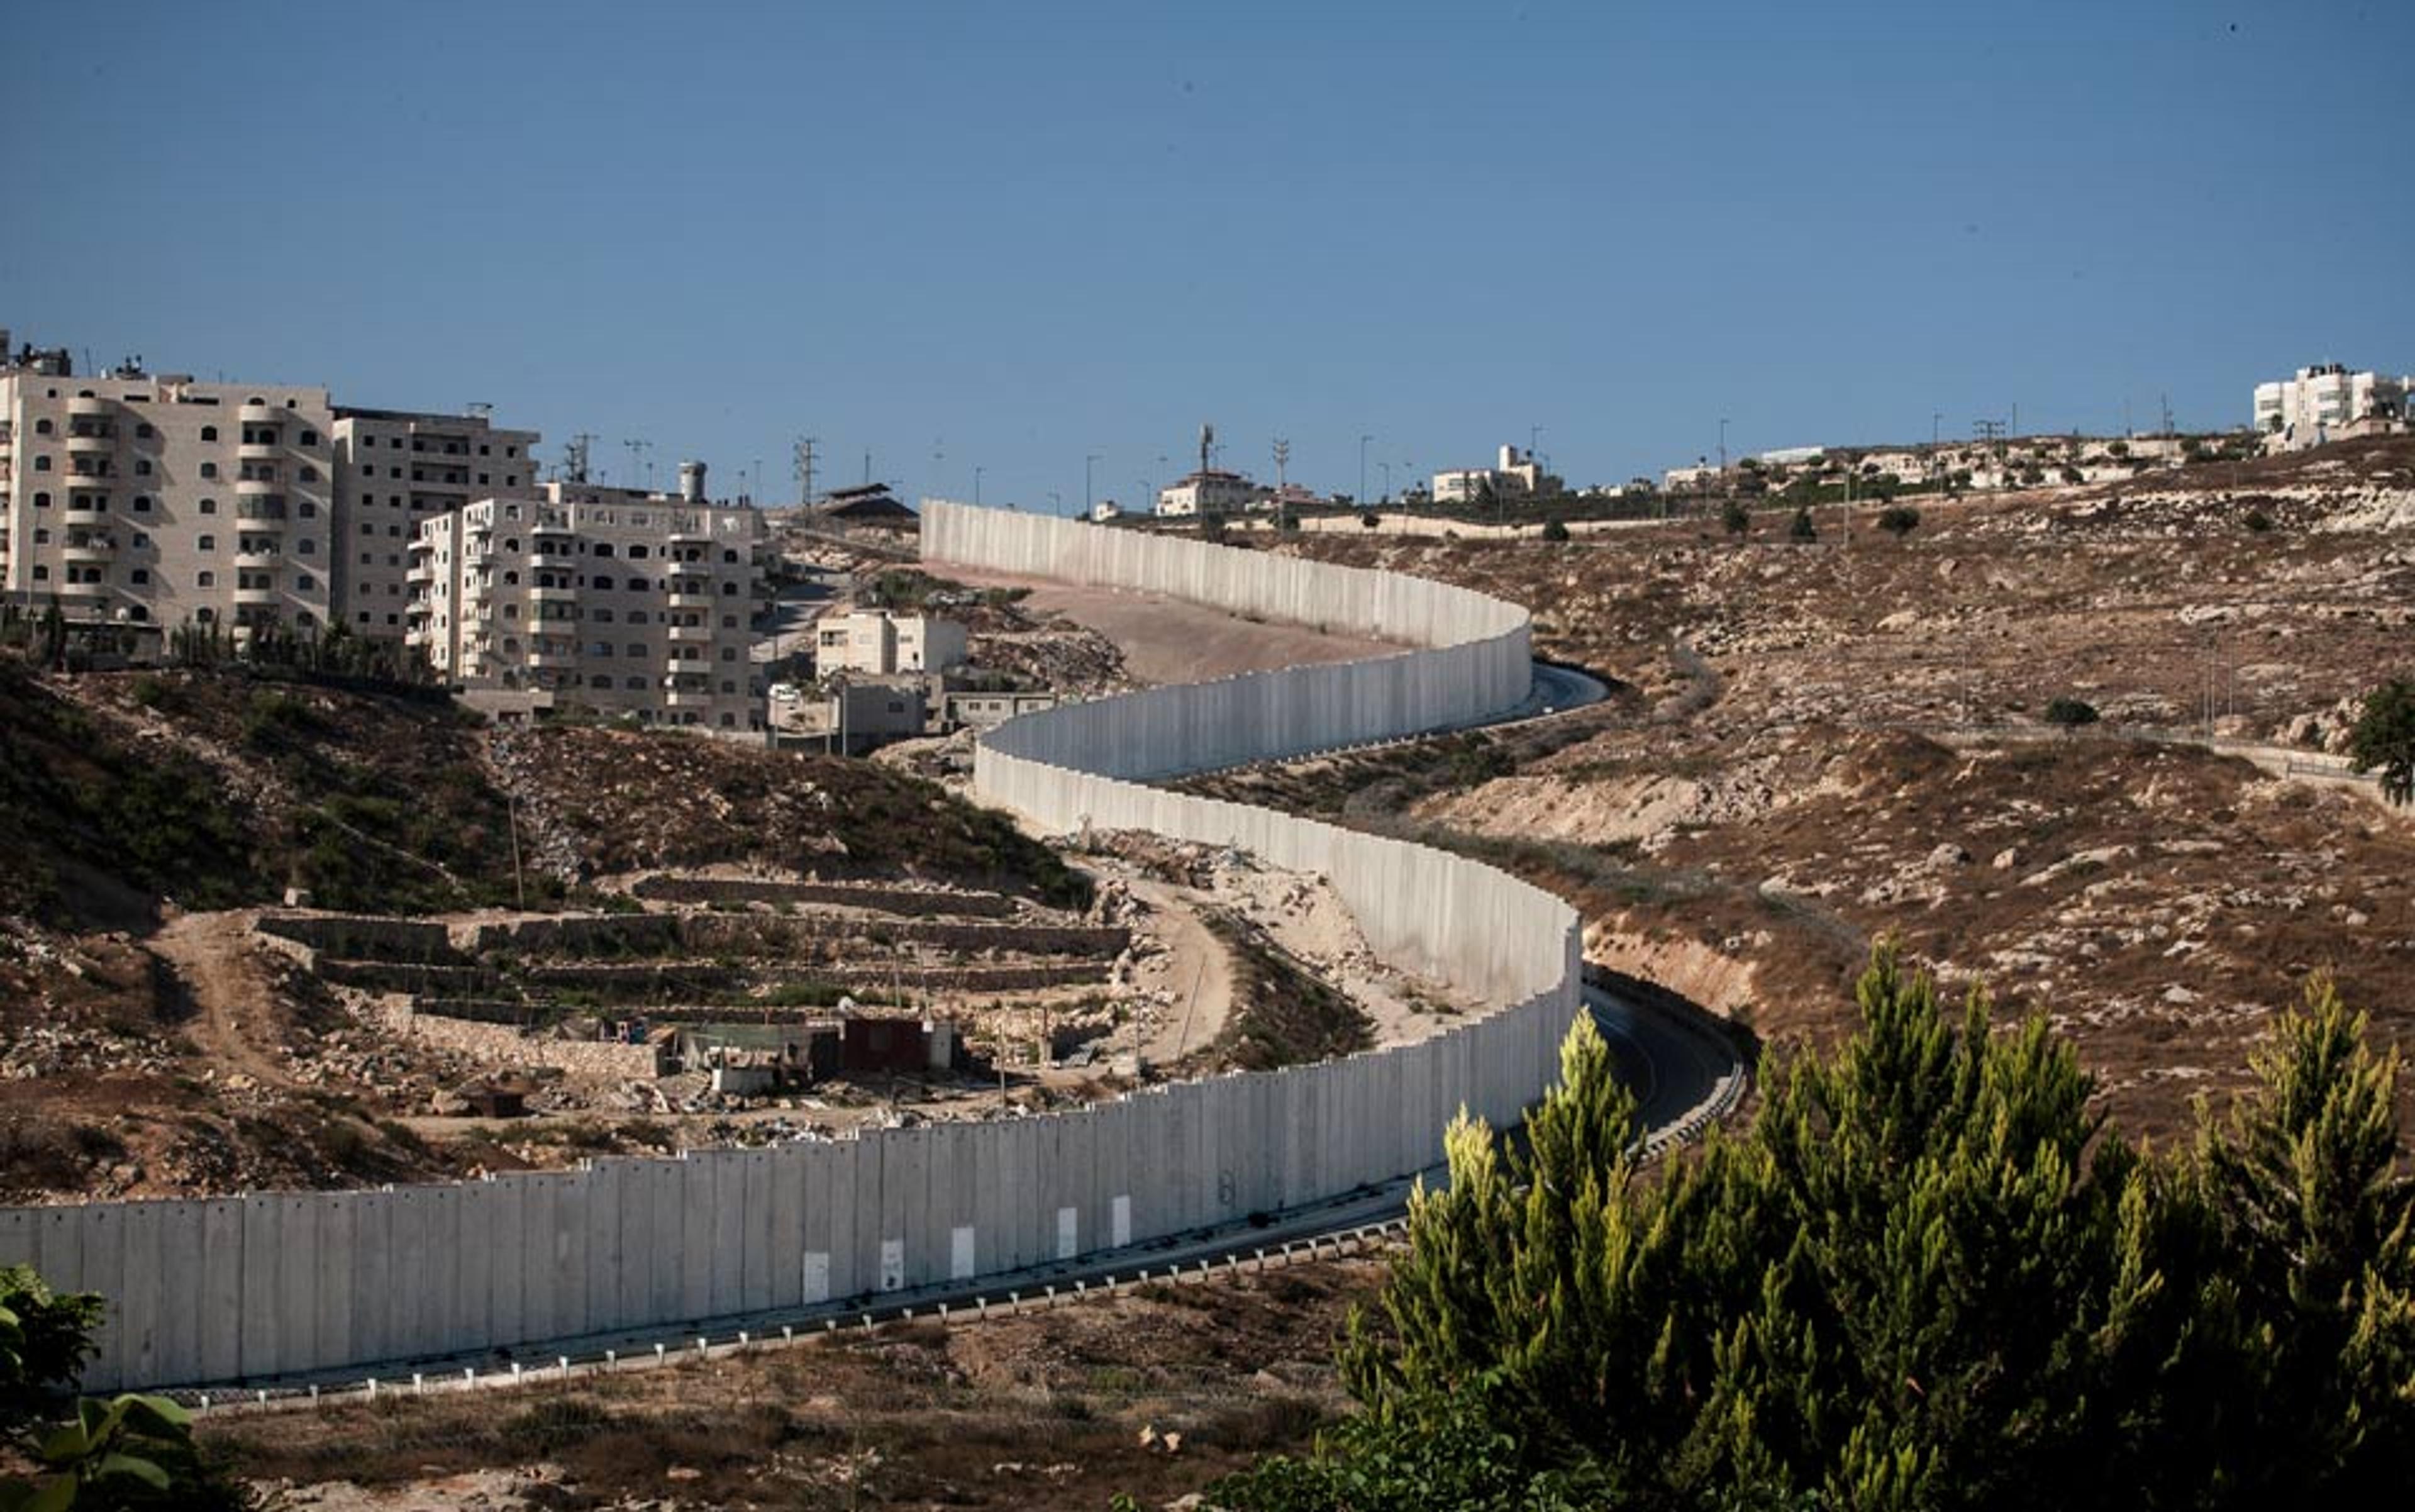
[2324, 402]
[599, 599]
[877, 643]
[395, 468]
[146, 501]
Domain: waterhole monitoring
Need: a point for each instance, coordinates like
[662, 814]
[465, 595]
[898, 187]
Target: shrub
[1803, 529]
[2258, 521]
[2070, 713]
[1898, 520]
[1556, 530]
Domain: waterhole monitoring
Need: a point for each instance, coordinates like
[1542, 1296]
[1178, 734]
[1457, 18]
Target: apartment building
[144, 502]
[2323, 402]
[395, 468]
[876, 643]
[590, 598]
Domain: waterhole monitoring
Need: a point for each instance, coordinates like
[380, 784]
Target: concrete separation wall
[273, 1284]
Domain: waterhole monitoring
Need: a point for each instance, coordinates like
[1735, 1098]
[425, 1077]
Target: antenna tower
[1206, 443]
[1282, 464]
[574, 457]
[801, 462]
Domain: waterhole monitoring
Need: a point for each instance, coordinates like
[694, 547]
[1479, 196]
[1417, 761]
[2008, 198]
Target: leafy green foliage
[1924, 1276]
[2383, 739]
[1801, 528]
[1736, 515]
[2070, 713]
[1898, 520]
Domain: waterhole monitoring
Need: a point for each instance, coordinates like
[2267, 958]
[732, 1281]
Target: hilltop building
[395, 468]
[143, 501]
[587, 598]
[2325, 402]
[1516, 475]
[1208, 491]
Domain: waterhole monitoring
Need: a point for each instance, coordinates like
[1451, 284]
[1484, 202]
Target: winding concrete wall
[277, 1284]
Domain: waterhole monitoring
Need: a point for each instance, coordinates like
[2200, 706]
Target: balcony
[257, 487]
[87, 509]
[690, 532]
[420, 573]
[85, 404]
[554, 528]
[262, 413]
[258, 451]
[90, 548]
[83, 591]
[268, 555]
[95, 446]
[554, 595]
[540, 557]
[688, 598]
[688, 697]
[258, 596]
[552, 660]
[689, 635]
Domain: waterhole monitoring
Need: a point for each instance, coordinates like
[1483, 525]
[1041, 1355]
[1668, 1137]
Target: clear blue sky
[1015, 235]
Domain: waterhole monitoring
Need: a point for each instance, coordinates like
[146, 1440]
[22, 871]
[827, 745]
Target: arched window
[209, 507]
[44, 428]
[209, 433]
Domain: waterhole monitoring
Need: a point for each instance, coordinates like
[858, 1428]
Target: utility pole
[573, 460]
[1362, 470]
[1282, 464]
[1089, 466]
[801, 462]
[977, 477]
[636, 456]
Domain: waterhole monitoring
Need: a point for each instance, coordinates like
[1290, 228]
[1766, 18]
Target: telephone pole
[801, 461]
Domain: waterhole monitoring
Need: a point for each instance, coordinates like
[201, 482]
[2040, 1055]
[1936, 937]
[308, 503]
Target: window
[41, 573]
[207, 542]
[366, 560]
[141, 574]
[309, 548]
[729, 622]
[601, 648]
[637, 648]
[604, 549]
[140, 540]
[310, 511]
[209, 470]
[637, 551]
[143, 504]
[41, 464]
[599, 582]
[307, 474]
[41, 500]
[728, 556]
[636, 617]
[729, 654]
[142, 430]
[44, 428]
[205, 580]
[309, 438]
[305, 582]
[209, 507]
[209, 433]
[143, 467]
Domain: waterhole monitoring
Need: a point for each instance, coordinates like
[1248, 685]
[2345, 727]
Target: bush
[2069, 713]
[1556, 530]
[1898, 520]
[2258, 521]
[1803, 529]
[1735, 516]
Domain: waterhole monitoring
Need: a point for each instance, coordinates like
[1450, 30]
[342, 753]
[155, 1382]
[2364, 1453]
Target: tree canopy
[1925, 1274]
[2383, 739]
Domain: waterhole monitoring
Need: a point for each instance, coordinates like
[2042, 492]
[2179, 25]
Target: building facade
[602, 600]
[2321, 402]
[395, 468]
[1209, 492]
[145, 502]
[1515, 475]
[875, 643]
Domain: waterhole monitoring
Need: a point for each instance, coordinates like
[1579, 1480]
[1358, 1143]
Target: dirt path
[1195, 968]
[213, 956]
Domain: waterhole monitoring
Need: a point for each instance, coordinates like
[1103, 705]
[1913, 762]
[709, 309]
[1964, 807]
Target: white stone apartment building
[603, 599]
[2321, 402]
[875, 643]
[395, 468]
[146, 501]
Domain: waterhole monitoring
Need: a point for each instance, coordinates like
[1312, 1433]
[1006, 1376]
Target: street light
[1089, 464]
[1388, 480]
[1362, 470]
[977, 476]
